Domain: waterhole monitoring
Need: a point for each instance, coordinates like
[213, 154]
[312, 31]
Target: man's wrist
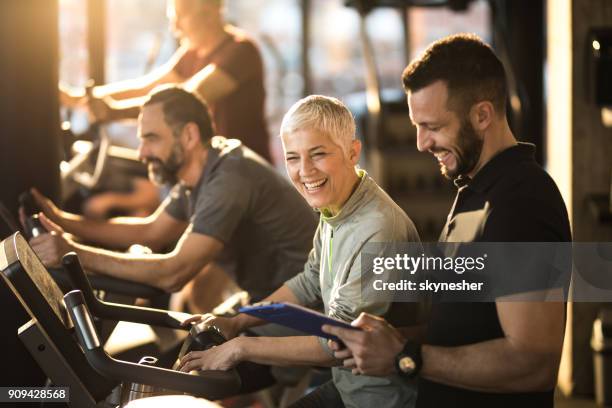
[409, 361]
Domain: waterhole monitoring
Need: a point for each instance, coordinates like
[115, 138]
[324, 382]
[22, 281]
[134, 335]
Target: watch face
[407, 365]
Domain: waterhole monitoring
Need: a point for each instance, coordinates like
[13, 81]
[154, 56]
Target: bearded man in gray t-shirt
[229, 210]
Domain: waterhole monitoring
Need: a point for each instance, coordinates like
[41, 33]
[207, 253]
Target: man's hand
[369, 351]
[52, 246]
[226, 325]
[46, 205]
[222, 357]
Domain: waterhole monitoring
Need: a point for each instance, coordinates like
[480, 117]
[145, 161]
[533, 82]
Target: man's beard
[161, 172]
[467, 153]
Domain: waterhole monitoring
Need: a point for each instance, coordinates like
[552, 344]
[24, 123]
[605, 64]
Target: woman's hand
[227, 325]
[222, 357]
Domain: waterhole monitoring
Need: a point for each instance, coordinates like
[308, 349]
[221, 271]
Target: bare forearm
[284, 351]
[117, 233]
[164, 271]
[138, 87]
[145, 195]
[416, 333]
[491, 366]
[126, 108]
[129, 89]
[149, 269]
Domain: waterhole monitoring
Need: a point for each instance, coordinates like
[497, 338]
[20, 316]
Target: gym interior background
[559, 100]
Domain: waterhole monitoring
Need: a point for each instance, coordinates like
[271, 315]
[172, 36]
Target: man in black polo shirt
[502, 354]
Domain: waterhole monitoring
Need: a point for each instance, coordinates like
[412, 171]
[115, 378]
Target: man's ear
[190, 135]
[355, 151]
[482, 115]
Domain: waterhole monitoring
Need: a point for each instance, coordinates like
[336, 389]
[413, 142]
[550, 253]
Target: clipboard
[296, 317]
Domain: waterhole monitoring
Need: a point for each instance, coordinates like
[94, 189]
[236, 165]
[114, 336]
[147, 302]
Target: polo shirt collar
[219, 147]
[497, 166]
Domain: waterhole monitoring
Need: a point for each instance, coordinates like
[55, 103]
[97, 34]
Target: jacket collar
[353, 203]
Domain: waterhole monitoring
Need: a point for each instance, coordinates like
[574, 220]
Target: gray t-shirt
[265, 225]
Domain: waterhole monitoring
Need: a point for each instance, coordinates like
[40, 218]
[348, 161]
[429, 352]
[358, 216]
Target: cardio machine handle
[82, 320]
[115, 311]
[207, 384]
[33, 226]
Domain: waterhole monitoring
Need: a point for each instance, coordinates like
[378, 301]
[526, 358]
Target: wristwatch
[408, 362]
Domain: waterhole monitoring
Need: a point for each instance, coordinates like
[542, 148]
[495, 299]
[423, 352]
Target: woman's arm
[232, 326]
[285, 351]
[278, 351]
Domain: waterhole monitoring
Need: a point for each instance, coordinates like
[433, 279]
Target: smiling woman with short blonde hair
[321, 153]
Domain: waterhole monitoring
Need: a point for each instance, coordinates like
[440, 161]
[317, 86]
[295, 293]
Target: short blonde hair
[324, 114]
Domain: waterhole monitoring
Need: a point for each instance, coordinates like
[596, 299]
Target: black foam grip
[28, 203]
[79, 280]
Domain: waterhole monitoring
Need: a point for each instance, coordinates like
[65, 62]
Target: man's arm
[526, 359]
[123, 99]
[156, 231]
[212, 83]
[142, 201]
[169, 272]
[141, 86]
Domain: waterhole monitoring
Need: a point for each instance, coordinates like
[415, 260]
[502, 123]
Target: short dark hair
[470, 68]
[181, 107]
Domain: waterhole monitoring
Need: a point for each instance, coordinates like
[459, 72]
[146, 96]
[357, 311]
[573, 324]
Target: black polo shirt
[511, 199]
